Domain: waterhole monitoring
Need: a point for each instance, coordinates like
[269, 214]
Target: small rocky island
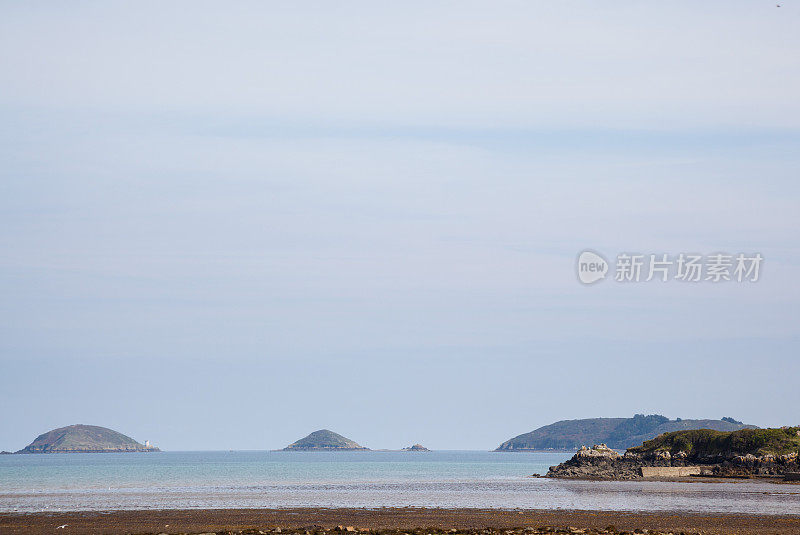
[324, 440]
[700, 452]
[81, 438]
[416, 447]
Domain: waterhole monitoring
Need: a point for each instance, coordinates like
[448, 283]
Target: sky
[226, 225]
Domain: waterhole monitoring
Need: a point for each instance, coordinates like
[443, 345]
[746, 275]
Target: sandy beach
[391, 520]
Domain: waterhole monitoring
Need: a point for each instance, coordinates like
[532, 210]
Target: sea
[363, 479]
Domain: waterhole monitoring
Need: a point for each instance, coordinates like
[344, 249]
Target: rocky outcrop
[772, 452]
[81, 438]
[598, 451]
[597, 462]
[416, 447]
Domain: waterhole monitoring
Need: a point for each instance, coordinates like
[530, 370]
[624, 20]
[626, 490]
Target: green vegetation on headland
[618, 433]
[81, 438]
[705, 452]
[705, 443]
[324, 440]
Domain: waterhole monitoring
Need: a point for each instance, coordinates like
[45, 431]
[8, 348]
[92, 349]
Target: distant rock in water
[619, 433]
[324, 440]
[416, 447]
[81, 438]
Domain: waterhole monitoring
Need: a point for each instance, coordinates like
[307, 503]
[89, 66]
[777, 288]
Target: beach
[392, 520]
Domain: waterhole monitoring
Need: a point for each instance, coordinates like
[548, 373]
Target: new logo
[591, 267]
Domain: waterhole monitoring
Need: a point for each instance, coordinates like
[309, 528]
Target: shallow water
[352, 479]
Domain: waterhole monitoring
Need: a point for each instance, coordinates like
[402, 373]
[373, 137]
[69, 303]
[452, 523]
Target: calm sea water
[351, 479]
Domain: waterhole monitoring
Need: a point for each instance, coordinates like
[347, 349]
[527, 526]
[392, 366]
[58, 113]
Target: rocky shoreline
[601, 462]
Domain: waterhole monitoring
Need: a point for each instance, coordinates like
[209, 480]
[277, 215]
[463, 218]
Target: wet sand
[406, 519]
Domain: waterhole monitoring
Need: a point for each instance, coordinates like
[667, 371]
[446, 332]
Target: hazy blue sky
[225, 225]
